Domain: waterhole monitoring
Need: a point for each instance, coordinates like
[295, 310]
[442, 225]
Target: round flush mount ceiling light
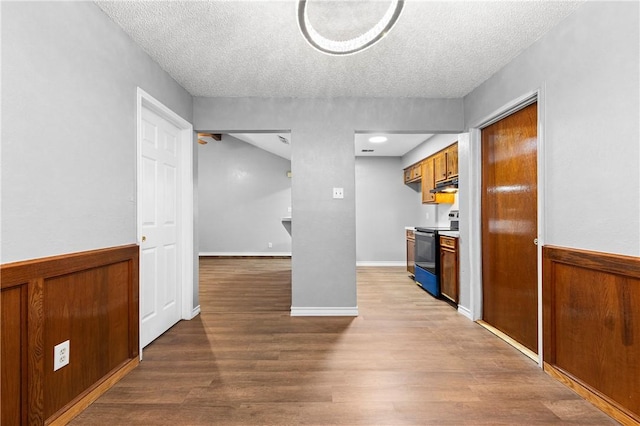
[378, 139]
[354, 45]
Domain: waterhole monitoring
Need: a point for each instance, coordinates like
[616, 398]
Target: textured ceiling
[254, 48]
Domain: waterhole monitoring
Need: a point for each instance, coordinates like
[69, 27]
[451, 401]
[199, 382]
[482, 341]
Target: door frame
[475, 200]
[186, 208]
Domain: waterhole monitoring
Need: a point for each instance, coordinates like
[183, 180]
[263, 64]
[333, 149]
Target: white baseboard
[381, 263]
[195, 312]
[243, 254]
[324, 312]
[465, 312]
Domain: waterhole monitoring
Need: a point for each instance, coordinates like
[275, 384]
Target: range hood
[447, 186]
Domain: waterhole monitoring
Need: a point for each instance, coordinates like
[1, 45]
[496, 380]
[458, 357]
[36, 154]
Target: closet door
[509, 226]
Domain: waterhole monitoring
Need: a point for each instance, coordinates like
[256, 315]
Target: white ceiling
[270, 142]
[254, 48]
[396, 145]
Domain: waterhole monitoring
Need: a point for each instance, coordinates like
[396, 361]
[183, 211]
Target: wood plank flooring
[407, 359]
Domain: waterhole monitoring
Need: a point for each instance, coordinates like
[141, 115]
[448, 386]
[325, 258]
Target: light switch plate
[338, 192]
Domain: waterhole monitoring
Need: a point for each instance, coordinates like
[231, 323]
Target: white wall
[587, 68]
[384, 207]
[69, 78]
[243, 193]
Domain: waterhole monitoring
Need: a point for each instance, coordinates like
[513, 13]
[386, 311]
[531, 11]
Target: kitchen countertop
[455, 234]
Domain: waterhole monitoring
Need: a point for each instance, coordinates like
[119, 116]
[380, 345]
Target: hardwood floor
[408, 359]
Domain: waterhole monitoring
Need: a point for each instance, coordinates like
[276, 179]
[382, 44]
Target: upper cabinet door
[452, 161]
[440, 166]
[428, 182]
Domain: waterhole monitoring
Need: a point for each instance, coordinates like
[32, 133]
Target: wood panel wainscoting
[89, 298]
[591, 327]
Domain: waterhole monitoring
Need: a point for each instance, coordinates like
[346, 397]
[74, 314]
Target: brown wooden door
[509, 226]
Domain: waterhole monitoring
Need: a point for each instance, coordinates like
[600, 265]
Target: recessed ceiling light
[348, 47]
[377, 139]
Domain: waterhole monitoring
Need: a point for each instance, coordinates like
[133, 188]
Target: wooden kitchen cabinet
[413, 173]
[452, 161]
[446, 163]
[411, 247]
[428, 182]
[437, 168]
[407, 175]
[449, 277]
[440, 166]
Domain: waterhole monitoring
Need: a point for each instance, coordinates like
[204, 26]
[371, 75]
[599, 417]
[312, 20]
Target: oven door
[426, 250]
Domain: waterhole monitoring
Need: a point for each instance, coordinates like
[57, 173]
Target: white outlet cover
[60, 355]
[338, 192]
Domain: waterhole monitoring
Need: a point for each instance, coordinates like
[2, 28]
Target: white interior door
[160, 256]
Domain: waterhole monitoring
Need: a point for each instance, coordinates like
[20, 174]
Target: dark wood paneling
[35, 351]
[89, 298]
[509, 226]
[592, 322]
[21, 272]
[12, 351]
[90, 309]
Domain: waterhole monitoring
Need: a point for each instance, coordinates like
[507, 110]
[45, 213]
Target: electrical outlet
[289, 209]
[338, 192]
[270, 245]
[60, 355]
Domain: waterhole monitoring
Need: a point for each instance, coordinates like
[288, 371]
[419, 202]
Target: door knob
[144, 238]
[535, 241]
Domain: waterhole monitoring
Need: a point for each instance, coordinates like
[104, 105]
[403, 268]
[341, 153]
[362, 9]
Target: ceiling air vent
[283, 140]
[367, 150]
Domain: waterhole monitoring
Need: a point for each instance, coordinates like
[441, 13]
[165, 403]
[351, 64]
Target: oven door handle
[425, 234]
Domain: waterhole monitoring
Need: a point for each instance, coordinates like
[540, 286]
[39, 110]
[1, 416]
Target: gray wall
[322, 135]
[384, 207]
[69, 77]
[243, 193]
[588, 68]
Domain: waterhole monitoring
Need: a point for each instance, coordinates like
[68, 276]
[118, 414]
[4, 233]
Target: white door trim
[475, 188]
[186, 237]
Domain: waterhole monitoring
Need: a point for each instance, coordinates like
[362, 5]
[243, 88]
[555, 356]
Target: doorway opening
[245, 217]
